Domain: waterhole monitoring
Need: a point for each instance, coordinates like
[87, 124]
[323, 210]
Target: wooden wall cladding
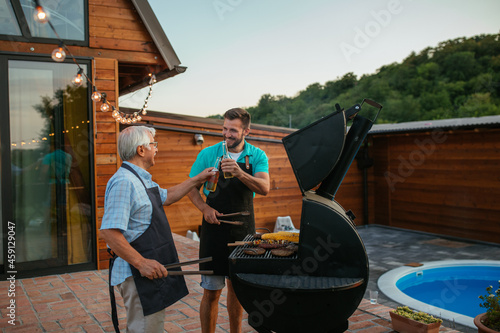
[105, 149]
[443, 182]
[177, 151]
[115, 24]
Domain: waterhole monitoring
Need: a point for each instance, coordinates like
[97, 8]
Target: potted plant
[405, 320]
[489, 321]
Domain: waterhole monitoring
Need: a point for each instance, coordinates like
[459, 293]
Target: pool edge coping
[387, 284]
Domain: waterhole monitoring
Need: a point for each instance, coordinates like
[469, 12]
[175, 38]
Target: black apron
[155, 243]
[230, 196]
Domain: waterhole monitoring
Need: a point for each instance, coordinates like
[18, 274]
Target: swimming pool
[448, 289]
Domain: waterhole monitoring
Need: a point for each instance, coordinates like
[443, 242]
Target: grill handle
[354, 139]
[375, 105]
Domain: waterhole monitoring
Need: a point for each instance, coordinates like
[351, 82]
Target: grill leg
[341, 328]
[338, 329]
[261, 329]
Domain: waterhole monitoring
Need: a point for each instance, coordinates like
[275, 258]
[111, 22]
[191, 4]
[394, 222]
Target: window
[67, 17]
[8, 21]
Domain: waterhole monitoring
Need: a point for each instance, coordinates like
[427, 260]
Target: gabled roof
[156, 31]
[161, 41]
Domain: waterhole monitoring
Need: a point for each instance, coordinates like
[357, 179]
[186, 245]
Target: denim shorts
[213, 282]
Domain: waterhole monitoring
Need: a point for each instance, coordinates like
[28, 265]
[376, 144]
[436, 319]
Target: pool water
[455, 288]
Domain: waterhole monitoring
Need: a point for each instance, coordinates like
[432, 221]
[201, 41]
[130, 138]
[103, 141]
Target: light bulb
[105, 107]
[96, 96]
[40, 15]
[78, 79]
[58, 54]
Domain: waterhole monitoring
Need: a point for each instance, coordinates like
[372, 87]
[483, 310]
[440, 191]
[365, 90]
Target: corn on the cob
[282, 235]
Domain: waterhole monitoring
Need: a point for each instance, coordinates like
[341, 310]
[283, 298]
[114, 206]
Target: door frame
[38, 268]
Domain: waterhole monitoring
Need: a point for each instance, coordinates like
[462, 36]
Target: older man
[136, 229]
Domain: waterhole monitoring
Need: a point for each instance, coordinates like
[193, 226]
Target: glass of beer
[226, 155]
[212, 181]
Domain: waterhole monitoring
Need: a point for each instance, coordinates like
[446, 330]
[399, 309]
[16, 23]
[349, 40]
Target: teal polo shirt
[206, 159]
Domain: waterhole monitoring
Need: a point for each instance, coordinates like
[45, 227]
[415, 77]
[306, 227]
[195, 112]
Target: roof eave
[157, 34]
[159, 77]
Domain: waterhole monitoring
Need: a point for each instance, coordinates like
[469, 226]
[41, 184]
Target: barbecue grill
[318, 288]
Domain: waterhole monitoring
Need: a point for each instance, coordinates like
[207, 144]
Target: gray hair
[131, 138]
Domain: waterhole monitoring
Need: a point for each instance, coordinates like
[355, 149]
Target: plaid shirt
[127, 208]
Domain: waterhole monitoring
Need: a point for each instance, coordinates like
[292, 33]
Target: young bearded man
[250, 169]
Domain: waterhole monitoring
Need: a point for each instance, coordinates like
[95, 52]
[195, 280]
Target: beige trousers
[136, 321]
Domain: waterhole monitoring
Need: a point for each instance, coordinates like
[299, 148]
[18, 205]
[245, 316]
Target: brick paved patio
[79, 302]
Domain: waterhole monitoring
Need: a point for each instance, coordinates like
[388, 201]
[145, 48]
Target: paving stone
[79, 302]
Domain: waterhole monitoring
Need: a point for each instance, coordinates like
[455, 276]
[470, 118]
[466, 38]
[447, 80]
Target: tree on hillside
[457, 78]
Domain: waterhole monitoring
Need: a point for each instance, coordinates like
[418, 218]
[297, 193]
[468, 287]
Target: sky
[236, 51]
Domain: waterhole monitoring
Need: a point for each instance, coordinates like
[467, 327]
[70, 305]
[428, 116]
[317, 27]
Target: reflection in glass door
[50, 165]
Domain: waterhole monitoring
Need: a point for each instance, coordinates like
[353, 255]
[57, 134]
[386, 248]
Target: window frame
[26, 34]
[7, 209]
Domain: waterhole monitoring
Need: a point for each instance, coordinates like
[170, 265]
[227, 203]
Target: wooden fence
[442, 182]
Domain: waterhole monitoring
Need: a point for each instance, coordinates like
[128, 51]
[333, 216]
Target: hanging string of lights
[59, 55]
[23, 142]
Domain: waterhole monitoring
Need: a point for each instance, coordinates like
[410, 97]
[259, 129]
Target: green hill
[458, 78]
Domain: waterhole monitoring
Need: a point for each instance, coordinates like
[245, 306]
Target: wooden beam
[139, 57]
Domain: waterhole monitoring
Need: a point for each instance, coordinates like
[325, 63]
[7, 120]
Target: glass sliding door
[50, 165]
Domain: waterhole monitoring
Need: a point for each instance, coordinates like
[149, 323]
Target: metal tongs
[191, 262]
[244, 213]
[231, 222]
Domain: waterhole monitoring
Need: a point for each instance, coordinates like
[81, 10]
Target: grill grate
[239, 254]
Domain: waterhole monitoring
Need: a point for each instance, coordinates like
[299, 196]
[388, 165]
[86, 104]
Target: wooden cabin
[58, 147]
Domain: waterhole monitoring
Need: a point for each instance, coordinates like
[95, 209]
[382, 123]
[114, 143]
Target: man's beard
[236, 142]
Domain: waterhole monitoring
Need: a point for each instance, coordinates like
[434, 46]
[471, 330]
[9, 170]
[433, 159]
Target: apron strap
[134, 172]
[114, 313]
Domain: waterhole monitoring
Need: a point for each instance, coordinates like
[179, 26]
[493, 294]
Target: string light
[40, 15]
[105, 106]
[59, 55]
[78, 79]
[33, 140]
[96, 96]
[136, 116]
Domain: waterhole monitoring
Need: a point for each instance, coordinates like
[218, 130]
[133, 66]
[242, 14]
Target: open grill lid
[315, 150]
